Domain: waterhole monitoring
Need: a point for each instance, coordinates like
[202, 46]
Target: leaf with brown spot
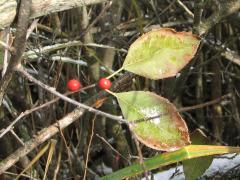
[166, 132]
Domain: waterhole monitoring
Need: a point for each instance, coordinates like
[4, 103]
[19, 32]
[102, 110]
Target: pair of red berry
[74, 84]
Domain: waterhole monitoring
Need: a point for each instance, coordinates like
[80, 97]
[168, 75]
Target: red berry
[104, 83]
[73, 85]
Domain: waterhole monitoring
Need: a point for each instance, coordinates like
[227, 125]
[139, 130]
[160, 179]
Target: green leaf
[161, 53]
[166, 132]
[187, 152]
[196, 167]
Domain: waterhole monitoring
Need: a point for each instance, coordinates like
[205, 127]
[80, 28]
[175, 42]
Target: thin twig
[156, 12]
[141, 161]
[31, 28]
[189, 12]
[209, 103]
[66, 145]
[58, 163]
[88, 149]
[16, 136]
[5, 46]
[35, 53]
[118, 153]
[23, 175]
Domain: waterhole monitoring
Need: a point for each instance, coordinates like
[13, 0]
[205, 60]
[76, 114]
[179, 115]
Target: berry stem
[116, 72]
[110, 92]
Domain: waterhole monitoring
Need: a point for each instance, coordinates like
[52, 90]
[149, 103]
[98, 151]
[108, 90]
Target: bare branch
[40, 8]
[19, 45]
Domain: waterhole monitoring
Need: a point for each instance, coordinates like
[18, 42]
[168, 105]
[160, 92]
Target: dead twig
[188, 11]
[88, 149]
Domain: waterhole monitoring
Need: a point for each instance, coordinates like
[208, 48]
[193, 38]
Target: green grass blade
[194, 168]
[188, 152]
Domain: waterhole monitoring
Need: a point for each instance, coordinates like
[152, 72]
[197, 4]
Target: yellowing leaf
[166, 132]
[161, 53]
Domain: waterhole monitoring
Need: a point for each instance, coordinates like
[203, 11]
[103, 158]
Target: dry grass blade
[35, 159]
[50, 155]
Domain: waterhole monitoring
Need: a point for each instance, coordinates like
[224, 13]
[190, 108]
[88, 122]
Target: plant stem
[110, 92]
[116, 72]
